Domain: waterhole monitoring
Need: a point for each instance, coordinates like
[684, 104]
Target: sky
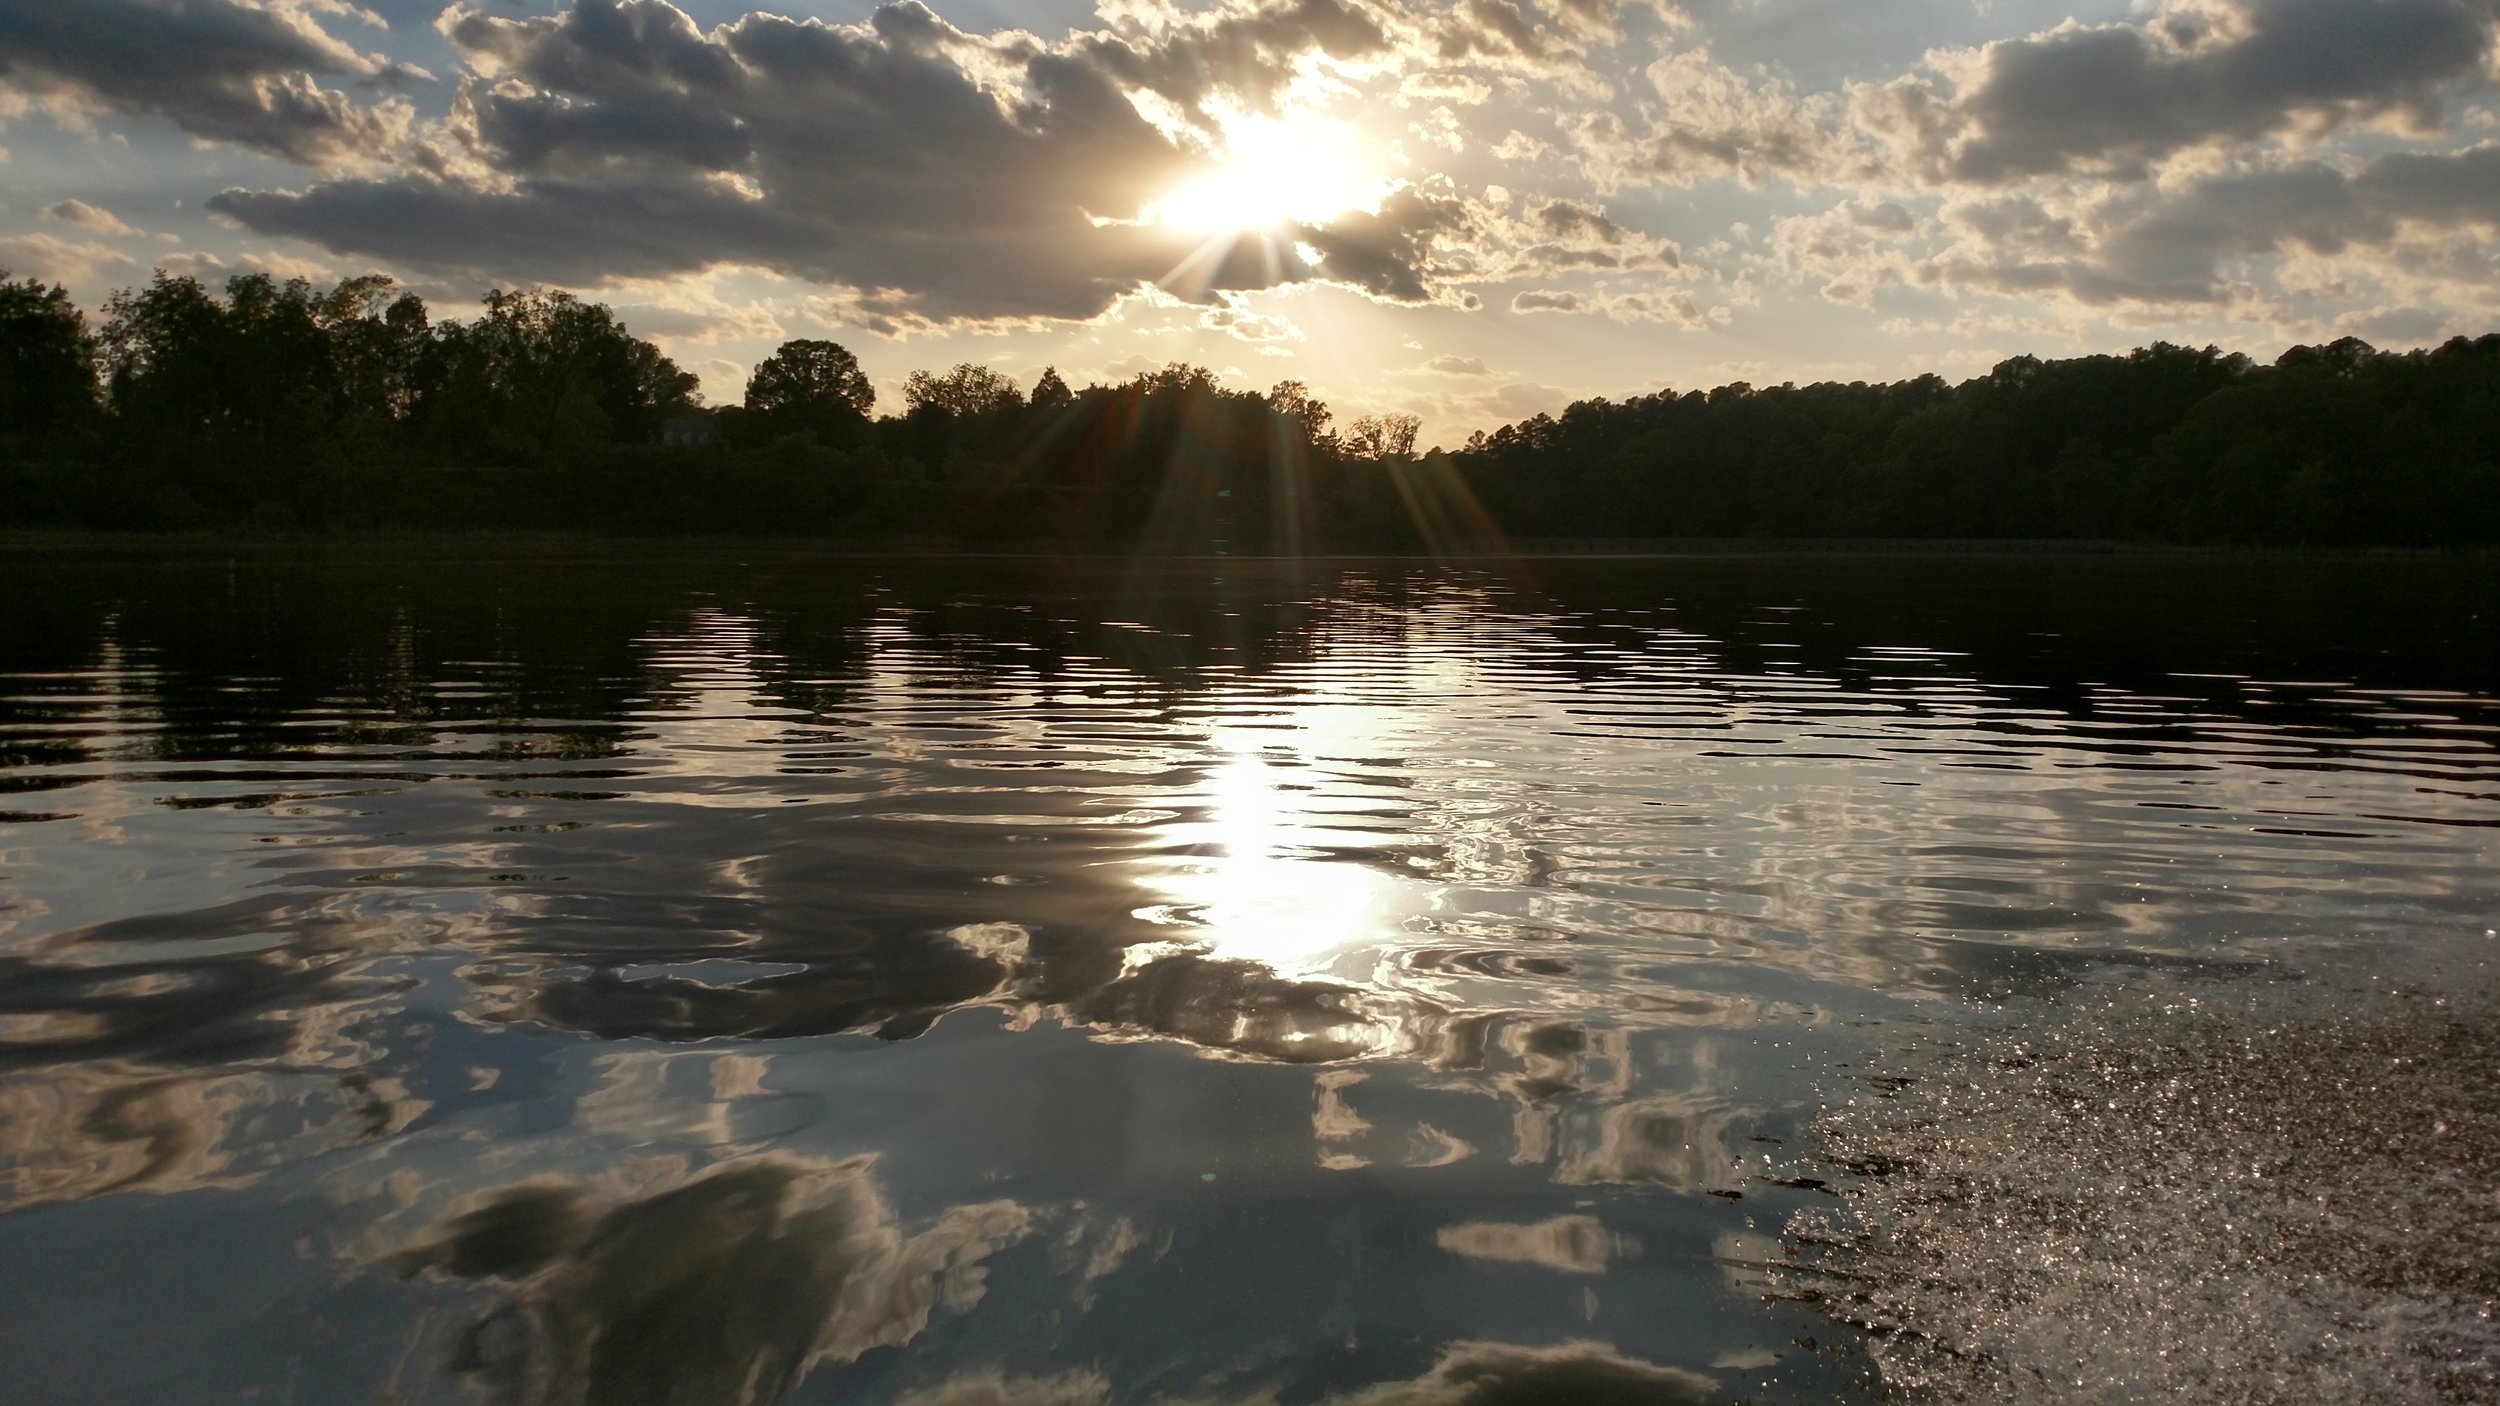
[1468, 210]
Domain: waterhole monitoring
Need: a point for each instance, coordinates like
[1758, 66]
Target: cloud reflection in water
[724, 1289]
[1462, 929]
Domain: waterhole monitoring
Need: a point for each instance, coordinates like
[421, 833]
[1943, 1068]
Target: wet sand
[2170, 1188]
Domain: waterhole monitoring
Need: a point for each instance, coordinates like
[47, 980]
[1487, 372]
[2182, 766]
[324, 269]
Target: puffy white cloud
[1519, 146]
[53, 259]
[92, 218]
[1234, 320]
[1709, 121]
[1548, 300]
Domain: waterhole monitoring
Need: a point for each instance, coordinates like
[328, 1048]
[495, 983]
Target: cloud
[1519, 146]
[1711, 122]
[221, 70]
[2116, 99]
[1548, 300]
[2176, 246]
[1250, 50]
[701, 318]
[1664, 306]
[1511, 41]
[211, 269]
[1675, 308]
[51, 259]
[1457, 366]
[1390, 254]
[2400, 327]
[88, 217]
[944, 175]
[2258, 241]
[1465, 89]
[1236, 321]
[2105, 101]
[1556, 236]
[1520, 399]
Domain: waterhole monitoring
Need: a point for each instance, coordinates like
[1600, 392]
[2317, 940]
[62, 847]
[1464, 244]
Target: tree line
[2330, 445]
[281, 406]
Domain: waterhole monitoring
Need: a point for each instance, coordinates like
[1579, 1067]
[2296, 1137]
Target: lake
[713, 974]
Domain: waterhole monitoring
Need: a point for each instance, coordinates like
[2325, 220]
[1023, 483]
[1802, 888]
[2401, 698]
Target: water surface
[759, 976]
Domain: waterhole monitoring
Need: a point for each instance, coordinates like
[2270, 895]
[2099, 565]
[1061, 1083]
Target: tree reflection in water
[1302, 982]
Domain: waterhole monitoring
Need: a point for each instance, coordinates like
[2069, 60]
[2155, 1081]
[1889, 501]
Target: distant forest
[282, 407]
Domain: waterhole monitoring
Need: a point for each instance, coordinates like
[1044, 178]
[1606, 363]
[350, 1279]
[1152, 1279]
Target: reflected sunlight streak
[1252, 887]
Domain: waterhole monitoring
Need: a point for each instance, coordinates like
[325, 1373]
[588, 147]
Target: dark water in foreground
[757, 977]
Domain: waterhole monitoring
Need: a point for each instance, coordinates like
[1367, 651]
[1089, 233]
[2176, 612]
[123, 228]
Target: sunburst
[1275, 172]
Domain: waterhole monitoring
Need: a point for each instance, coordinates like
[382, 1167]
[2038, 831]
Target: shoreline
[2199, 1188]
[43, 541]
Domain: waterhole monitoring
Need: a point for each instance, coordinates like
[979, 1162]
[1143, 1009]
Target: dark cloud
[1565, 236]
[1248, 52]
[1495, 29]
[2114, 99]
[946, 175]
[2453, 188]
[2176, 246]
[1572, 219]
[1390, 254]
[217, 69]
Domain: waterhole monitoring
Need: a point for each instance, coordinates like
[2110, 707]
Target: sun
[1302, 168]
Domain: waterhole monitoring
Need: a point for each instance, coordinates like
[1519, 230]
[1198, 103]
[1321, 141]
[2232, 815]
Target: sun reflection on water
[1252, 877]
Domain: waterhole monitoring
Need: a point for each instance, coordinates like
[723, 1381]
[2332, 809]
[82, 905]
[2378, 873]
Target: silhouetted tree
[238, 402]
[1390, 436]
[1293, 400]
[802, 377]
[47, 366]
[1049, 392]
[967, 392]
[280, 404]
[544, 371]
